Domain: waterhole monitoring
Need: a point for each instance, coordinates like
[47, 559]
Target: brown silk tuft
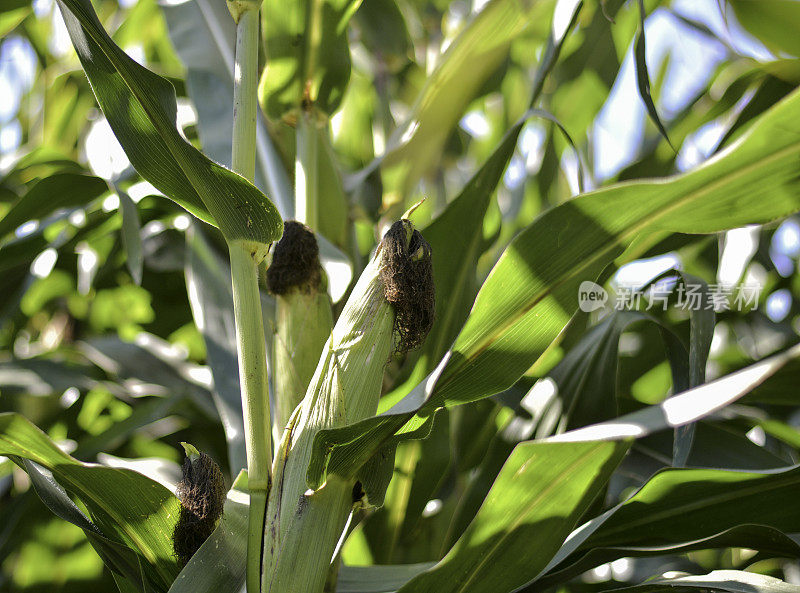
[295, 261]
[202, 496]
[407, 275]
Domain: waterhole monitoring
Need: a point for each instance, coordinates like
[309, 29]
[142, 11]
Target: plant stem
[246, 298]
[305, 171]
[255, 400]
[245, 84]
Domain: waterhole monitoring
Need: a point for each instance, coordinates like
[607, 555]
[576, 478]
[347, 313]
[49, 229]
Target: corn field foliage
[548, 340]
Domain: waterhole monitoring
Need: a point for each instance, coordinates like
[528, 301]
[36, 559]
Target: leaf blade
[141, 109]
[552, 487]
[139, 512]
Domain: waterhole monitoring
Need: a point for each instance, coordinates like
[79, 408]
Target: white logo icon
[591, 296]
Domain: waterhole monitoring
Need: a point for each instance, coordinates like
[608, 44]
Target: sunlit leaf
[62, 190]
[141, 108]
[540, 494]
[309, 56]
[204, 36]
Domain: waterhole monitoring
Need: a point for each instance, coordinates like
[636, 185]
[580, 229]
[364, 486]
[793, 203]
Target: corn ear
[303, 318]
[304, 526]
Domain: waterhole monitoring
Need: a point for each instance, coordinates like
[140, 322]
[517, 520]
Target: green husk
[303, 324]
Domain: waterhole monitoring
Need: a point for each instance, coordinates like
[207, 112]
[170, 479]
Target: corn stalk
[246, 299]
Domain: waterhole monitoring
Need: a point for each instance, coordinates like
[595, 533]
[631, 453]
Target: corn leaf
[774, 22]
[730, 581]
[455, 237]
[643, 77]
[141, 109]
[204, 36]
[701, 332]
[61, 190]
[131, 236]
[472, 57]
[683, 509]
[12, 14]
[128, 508]
[379, 578]
[540, 494]
[308, 56]
[123, 561]
[769, 541]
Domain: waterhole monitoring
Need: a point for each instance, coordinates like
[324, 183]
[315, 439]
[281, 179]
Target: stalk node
[238, 7]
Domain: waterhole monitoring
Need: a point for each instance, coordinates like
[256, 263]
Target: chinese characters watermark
[682, 295]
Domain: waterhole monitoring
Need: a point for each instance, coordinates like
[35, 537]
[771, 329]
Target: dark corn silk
[295, 262]
[202, 496]
[407, 275]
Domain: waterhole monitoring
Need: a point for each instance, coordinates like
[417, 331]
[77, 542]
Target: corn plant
[391, 380]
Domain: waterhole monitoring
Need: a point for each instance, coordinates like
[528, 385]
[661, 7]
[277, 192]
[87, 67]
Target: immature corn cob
[303, 317]
[303, 527]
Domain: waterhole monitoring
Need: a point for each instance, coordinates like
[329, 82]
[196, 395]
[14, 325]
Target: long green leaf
[61, 190]
[469, 61]
[686, 407]
[12, 14]
[774, 22]
[131, 236]
[455, 237]
[532, 291]
[587, 375]
[701, 332]
[586, 380]
[126, 506]
[643, 77]
[766, 540]
[679, 507]
[377, 578]
[204, 37]
[730, 581]
[147, 361]
[118, 557]
[538, 497]
[141, 108]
